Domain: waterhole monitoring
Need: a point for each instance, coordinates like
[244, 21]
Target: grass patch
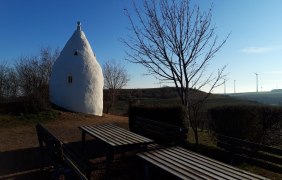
[7, 121]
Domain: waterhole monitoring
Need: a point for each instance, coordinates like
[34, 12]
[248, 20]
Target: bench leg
[41, 149]
[83, 141]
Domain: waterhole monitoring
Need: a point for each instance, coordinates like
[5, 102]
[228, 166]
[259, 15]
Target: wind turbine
[257, 80]
[224, 86]
[234, 86]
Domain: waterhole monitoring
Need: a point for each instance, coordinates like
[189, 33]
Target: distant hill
[273, 97]
[276, 90]
[168, 96]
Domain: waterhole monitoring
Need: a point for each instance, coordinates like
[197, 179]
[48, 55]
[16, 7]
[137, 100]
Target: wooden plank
[158, 123]
[198, 166]
[71, 164]
[251, 145]
[186, 160]
[206, 160]
[161, 130]
[252, 154]
[258, 162]
[79, 159]
[159, 126]
[124, 137]
[106, 137]
[130, 135]
[98, 135]
[183, 174]
[115, 136]
[191, 165]
[207, 166]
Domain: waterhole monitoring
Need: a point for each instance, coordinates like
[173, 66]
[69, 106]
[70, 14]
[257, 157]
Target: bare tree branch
[176, 43]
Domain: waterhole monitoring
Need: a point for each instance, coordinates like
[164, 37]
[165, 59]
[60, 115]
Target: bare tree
[8, 81]
[3, 74]
[47, 58]
[33, 73]
[176, 43]
[115, 78]
[11, 83]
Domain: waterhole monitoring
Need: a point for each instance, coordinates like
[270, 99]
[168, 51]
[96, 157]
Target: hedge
[244, 122]
[175, 115]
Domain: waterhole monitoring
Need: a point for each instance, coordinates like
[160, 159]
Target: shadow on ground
[26, 163]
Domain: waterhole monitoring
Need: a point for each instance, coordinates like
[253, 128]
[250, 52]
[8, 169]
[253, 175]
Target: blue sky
[254, 46]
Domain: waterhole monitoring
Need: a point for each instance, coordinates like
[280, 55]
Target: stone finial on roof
[78, 26]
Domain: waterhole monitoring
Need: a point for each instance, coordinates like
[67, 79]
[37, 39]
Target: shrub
[168, 114]
[244, 122]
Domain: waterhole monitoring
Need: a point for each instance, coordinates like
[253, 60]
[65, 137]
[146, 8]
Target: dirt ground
[65, 127]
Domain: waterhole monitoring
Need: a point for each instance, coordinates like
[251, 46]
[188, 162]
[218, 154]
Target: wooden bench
[62, 155]
[264, 156]
[162, 133]
[186, 164]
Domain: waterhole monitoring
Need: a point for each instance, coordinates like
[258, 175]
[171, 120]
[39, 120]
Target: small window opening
[69, 79]
[76, 53]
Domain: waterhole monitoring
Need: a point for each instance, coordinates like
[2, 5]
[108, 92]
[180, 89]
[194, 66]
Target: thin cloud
[260, 50]
[275, 72]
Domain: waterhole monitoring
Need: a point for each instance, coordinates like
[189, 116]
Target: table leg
[109, 160]
[146, 171]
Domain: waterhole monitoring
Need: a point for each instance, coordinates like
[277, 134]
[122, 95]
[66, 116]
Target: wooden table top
[114, 135]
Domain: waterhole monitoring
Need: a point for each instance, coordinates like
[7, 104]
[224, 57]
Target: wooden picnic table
[115, 139]
[185, 164]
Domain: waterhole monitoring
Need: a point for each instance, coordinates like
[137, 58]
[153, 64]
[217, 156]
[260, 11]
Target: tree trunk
[196, 136]
[111, 101]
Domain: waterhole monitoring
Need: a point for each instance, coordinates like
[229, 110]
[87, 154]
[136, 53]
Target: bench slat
[199, 169]
[209, 164]
[258, 162]
[251, 154]
[186, 164]
[187, 174]
[161, 132]
[264, 156]
[161, 124]
[73, 166]
[251, 145]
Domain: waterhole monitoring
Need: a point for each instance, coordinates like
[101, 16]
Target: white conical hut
[76, 82]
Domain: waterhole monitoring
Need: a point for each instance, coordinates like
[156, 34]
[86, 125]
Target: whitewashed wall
[85, 92]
